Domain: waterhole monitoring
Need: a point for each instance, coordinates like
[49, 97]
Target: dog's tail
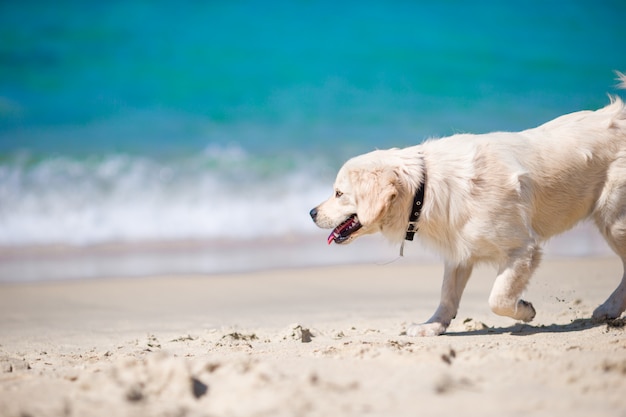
[618, 107]
[621, 84]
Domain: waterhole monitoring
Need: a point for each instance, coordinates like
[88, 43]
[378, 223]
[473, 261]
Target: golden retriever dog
[491, 198]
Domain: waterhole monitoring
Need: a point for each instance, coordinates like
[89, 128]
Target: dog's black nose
[313, 213]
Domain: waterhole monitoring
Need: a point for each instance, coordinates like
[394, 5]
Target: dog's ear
[375, 191]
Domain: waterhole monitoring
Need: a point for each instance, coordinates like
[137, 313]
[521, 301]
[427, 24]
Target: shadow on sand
[522, 329]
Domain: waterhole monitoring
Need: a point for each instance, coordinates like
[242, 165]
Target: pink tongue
[335, 233]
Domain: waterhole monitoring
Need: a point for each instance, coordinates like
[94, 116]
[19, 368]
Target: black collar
[416, 210]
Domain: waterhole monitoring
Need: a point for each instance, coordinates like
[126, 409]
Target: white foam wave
[221, 193]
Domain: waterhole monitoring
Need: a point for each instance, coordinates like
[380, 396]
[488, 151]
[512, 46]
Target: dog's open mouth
[342, 232]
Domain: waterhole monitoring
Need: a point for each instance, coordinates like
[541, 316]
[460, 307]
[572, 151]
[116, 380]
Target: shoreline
[191, 257]
[309, 342]
[188, 257]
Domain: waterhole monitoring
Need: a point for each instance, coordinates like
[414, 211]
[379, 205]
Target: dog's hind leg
[615, 305]
[454, 280]
[610, 217]
[511, 282]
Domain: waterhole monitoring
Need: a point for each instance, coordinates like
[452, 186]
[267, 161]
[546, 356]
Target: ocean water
[156, 121]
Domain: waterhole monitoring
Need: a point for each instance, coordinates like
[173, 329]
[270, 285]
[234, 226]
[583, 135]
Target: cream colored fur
[495, 198]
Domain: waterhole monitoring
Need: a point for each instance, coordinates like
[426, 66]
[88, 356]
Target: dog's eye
[338, 194]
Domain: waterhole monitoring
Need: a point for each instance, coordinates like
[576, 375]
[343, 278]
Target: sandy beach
[324, 341]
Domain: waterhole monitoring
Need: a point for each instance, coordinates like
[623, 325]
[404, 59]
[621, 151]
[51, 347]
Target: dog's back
[573, 160]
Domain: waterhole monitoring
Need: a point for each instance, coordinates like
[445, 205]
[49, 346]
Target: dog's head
[364, 192]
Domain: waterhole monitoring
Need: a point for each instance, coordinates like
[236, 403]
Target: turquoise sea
[158, 121]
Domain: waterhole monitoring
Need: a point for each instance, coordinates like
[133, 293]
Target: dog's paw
[606, 311]
[426, 329]
[525, 311]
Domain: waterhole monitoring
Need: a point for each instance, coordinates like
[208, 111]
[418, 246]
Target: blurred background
[151, 137]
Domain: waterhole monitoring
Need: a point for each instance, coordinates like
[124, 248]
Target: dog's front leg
[454, 279]
[513, 276]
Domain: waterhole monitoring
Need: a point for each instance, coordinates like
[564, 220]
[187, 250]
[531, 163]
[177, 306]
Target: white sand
[234, 346]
